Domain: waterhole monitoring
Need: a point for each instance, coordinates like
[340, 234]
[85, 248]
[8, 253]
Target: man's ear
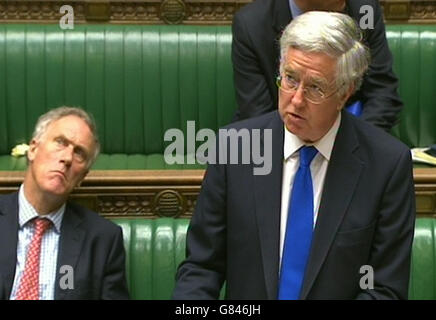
[31, 153]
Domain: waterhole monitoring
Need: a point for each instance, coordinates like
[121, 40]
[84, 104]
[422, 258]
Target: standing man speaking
[340, 195]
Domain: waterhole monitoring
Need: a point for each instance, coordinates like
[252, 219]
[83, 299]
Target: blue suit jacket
[366, 217]
[90, 244]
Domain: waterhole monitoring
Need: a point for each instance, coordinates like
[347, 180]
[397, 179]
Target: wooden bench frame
[177, 11]
[173, 193]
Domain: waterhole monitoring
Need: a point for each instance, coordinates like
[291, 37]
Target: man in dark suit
[51, 248]
[257, 28]
[361, 201]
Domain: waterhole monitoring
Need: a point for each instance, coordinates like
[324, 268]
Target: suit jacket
[366, 217]
[90, 244]
[257, 29]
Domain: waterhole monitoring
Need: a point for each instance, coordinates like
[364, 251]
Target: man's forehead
[315, 64]
[70, 122]
[72, 127]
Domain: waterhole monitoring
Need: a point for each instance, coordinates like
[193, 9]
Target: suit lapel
[268, 189]
[8, 240]
[70, 244]
[341, 179]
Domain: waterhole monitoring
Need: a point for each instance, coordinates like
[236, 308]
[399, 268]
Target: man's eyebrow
[290, 70]
[312, 79]
[76, 146]
[318, 80]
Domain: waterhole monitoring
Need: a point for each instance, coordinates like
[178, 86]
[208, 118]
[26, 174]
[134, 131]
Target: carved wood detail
[173, 193]
[130, 193]
[134, 11]
[177, 11]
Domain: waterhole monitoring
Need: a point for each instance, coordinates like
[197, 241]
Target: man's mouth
[296, 116]
[60, 173]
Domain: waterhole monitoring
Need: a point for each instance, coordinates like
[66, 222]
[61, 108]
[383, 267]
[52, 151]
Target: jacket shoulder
[263, 121]
[91, 219]
[379, 141]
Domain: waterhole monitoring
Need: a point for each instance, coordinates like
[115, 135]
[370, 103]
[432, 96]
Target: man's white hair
[334, 34]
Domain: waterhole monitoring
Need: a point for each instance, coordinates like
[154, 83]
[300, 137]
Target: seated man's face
[316, 72]
[59, 159]
[321, 5]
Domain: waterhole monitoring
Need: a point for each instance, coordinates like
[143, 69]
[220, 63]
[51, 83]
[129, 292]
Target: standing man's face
[316, 72]
[59, 159]
[321, 5]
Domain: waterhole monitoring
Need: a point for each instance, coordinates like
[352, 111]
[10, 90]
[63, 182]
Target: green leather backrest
[154, 249]
[423, 268]
[138, 81]
[414, 51]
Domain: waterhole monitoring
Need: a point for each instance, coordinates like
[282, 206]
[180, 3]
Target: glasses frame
[325, 97]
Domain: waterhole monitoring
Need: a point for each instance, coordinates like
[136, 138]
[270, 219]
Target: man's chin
[56, 189]
[299, 132]
[294, 128]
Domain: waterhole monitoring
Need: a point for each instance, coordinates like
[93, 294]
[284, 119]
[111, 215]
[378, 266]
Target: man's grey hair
[334, 34]
[55, 114]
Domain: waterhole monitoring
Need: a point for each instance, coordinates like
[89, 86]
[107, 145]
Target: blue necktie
[299, 228]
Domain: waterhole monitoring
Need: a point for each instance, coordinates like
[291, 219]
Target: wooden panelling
[130, 193]
[132, 11]
[176, 11]
[168, 193]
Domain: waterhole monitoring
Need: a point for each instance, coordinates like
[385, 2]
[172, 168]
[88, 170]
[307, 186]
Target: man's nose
[67, 155]
[298, 98]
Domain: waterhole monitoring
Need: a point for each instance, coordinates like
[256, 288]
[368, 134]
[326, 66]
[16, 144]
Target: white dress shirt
[318, 169]
[49, 247]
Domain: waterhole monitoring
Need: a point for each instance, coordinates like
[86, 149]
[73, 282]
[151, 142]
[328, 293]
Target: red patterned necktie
[29, 283]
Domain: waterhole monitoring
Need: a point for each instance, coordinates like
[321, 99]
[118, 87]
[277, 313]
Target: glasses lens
[313, 94]
[286, 84]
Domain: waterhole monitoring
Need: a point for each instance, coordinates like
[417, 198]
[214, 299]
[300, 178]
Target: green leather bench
[414, 51]
[139, 81]
[422, 284]
[154, 249]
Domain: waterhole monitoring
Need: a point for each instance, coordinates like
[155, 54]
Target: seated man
[255, 54]
[339, 198]
[51, 248]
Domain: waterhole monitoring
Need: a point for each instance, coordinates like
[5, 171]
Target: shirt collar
[324, 145]
[295, 10]
[27, 212]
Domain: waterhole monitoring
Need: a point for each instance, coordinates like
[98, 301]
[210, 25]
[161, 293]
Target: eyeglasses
[312, 92]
